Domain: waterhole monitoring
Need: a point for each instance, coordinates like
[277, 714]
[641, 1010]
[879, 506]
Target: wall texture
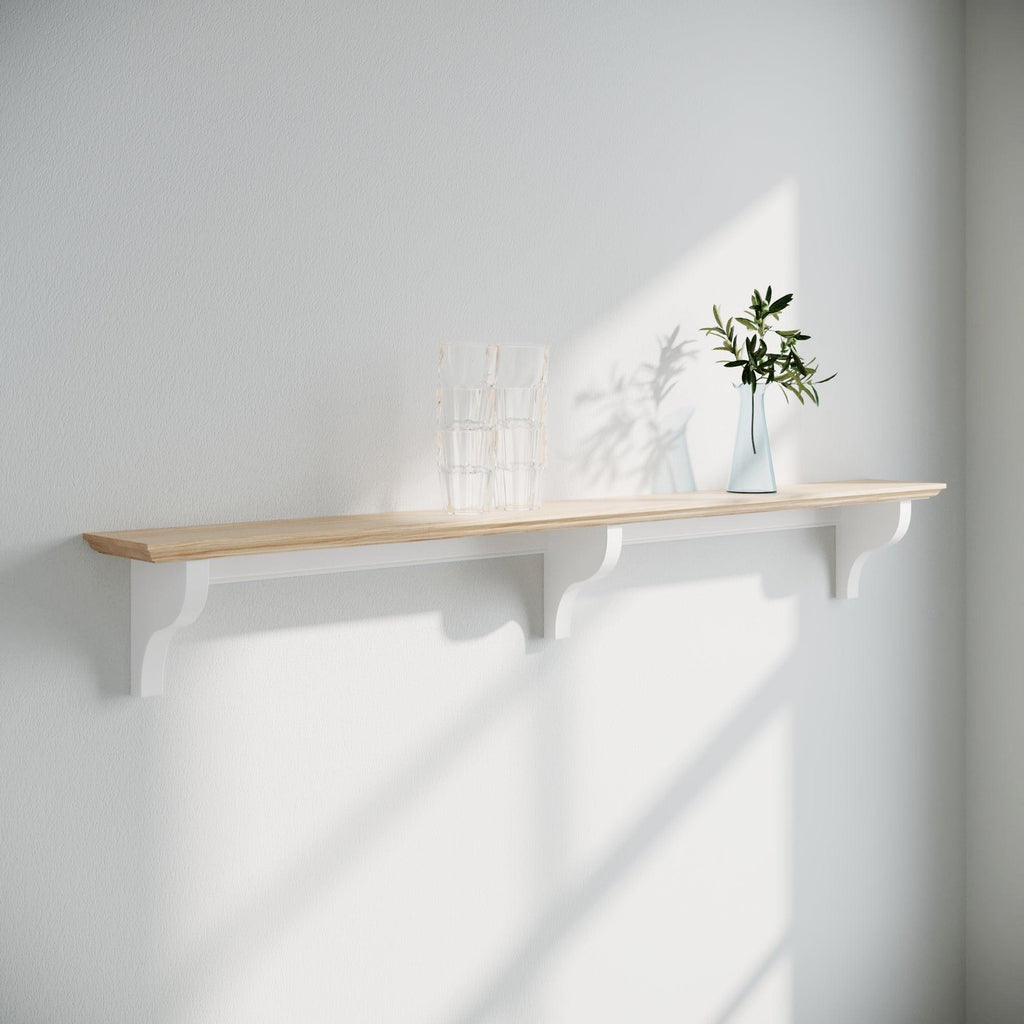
[232, 236]
[995, 707]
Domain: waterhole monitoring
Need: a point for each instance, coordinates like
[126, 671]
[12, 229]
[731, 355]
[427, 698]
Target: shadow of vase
[670, 469]
[634, 439]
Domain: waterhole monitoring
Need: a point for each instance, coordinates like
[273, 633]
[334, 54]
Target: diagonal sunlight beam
[300, 886]
[754, 979]
[570, 910]
[598, 442]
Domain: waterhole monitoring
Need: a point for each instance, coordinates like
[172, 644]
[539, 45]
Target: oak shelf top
[185, 543]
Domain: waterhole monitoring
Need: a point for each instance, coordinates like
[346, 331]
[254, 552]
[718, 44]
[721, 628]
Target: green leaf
[795, 375]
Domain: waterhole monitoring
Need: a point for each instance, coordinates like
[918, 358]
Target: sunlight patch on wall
[544, 805]
[704, 884]
[640, 717]
[677, 794]
[347, 811]
[598, 380]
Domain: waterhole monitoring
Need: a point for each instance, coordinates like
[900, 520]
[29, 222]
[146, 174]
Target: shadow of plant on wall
[636, 441]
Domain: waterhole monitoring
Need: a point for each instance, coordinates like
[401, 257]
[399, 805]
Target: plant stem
[752, 444]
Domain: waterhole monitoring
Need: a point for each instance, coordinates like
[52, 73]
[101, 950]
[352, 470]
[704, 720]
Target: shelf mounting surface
[580, 541]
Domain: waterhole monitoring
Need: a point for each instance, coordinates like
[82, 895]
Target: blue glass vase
[752, 470]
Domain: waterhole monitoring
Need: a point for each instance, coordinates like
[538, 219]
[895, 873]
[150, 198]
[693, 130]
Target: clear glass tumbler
[466, 462]
[465, 407]
[465, 421]
[466, 365]
[520, 425]
[525, 407]
[522, 366]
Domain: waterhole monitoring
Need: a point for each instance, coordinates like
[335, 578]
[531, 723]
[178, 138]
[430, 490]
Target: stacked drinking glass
[521, 398]
[491, 436]
[465, 425]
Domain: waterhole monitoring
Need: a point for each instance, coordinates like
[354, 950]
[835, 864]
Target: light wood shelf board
[185, 543]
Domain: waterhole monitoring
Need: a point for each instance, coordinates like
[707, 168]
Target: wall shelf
[172, 568]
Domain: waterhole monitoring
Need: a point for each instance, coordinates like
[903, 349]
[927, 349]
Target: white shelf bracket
[170, 593]
[862, 530]
[164, 598]
[571, 559]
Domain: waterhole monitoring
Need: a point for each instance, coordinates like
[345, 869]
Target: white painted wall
[232, 236]
[995, 707]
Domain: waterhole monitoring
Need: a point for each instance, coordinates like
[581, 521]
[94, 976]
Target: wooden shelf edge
[172, 570]
[177, 544]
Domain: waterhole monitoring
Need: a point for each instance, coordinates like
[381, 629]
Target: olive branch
[793, 373]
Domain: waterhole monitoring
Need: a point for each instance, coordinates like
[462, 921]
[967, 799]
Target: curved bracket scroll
[862, 530]
[572, 558]
[164, 598]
